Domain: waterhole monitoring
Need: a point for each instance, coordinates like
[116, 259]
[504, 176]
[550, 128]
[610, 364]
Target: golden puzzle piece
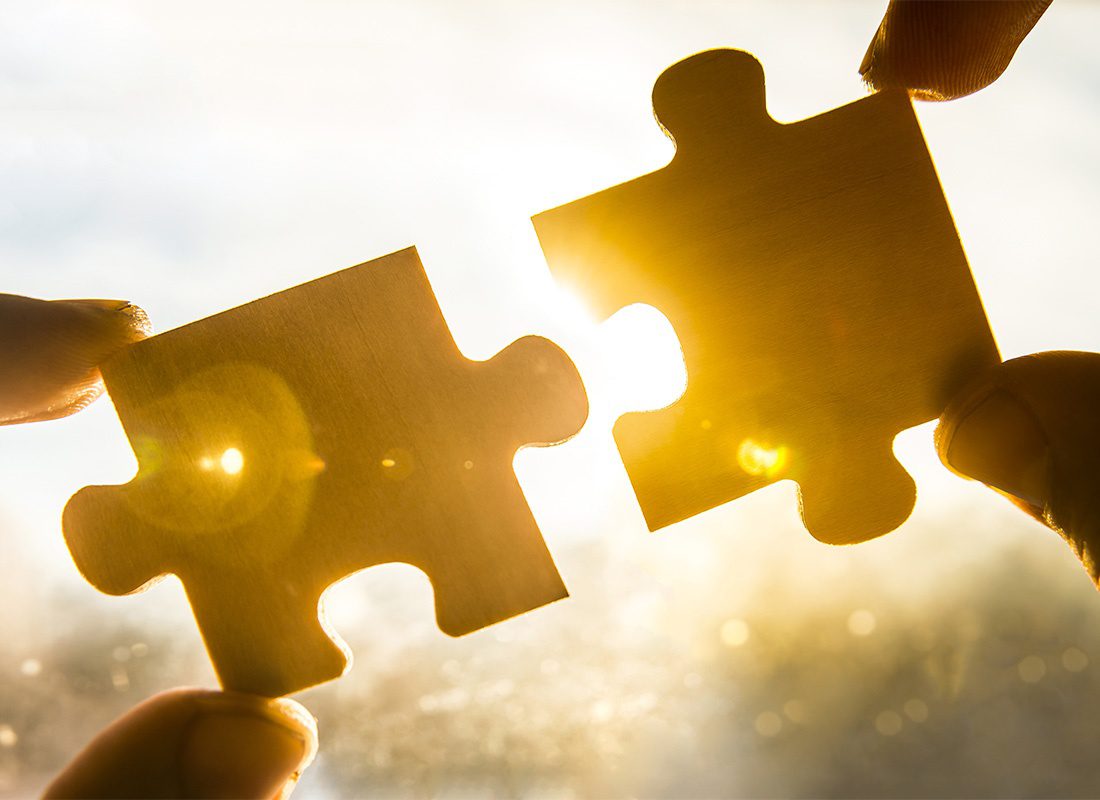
[816, 283]
[297, 439]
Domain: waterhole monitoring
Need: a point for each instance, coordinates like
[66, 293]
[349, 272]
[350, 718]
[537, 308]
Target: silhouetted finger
[943, 49]
[195, 743]
[1030, 428]
[50, 352]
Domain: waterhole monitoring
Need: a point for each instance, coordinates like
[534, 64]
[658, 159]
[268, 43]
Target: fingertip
[245, 746]
[1030, 429]
[990, 435]
[946, 49]
[196, 743]
[50, 352]
[117, 319]
[283, 712]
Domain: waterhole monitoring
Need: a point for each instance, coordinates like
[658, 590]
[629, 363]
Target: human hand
[1030, 427]
[184, 743]
[195, 743]
[50, 353]
[944, 49]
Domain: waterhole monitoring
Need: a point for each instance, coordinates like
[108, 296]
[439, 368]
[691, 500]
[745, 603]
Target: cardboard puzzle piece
[815, 280]
[292, 441]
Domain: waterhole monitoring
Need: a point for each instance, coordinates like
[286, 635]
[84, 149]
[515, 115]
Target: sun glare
[761, 459]
[634, 359]
[232, 461]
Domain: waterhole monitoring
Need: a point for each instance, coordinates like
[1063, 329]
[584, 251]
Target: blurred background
[191, 156]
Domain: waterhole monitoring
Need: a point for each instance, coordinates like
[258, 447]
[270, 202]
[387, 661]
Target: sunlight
[634, 358]
[764, 647]
[232, 461]
[760, 459]
[646, 362]
[630, 362]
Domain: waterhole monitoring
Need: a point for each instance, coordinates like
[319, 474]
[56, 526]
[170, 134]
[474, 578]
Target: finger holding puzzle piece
[815, 280]
[292, 441]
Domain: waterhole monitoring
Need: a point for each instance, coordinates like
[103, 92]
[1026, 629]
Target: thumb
[195, 743]
[943, 49]
[1030, 428]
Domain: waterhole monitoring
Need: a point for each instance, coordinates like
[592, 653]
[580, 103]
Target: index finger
[50, 352]
[944, 49]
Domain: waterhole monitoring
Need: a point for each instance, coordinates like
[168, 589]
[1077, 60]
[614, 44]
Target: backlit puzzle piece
[815, 280]
[292, 441]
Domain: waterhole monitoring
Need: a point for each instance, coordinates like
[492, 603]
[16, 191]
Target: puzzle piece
[815, 280]
[292, 441]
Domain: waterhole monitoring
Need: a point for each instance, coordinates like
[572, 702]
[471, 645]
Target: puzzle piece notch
[816, 283]
[295, 440]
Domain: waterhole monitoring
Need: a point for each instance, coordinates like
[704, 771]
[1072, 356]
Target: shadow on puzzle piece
[816, 283]
[288, 443]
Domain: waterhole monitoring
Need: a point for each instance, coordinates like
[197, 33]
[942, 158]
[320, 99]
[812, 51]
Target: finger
[1030, 428]
[50, 352]
[195, 743]
[943, 49]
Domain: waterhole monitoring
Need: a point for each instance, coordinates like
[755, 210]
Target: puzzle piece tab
[334, 426]
[814, 277]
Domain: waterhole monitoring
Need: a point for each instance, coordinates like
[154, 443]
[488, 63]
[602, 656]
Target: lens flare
[761, 459]
[232, 461]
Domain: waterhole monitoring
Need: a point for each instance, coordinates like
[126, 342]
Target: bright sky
[191, 156]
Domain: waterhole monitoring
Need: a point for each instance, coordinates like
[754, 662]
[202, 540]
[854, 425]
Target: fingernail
[997, 440]
[133, 318]
[247, 749]
[869, 56]
[106, 305]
